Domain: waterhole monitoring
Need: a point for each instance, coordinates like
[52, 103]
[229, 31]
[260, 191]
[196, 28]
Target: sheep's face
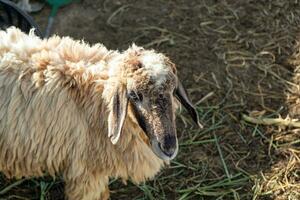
[149, 85]
[152, 103]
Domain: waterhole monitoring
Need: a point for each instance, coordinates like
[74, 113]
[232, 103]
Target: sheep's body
[53, 119]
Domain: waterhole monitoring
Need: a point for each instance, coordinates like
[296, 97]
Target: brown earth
[235, 54]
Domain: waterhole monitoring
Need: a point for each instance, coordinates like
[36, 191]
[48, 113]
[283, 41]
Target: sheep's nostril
[168, 146]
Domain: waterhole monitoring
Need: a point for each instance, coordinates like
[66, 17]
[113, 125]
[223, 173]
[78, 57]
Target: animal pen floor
[236, 57]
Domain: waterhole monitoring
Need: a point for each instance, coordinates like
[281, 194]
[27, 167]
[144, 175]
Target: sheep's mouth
[155, 146]
[162, 154]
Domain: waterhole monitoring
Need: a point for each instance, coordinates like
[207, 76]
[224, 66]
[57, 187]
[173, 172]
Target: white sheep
[85, 112]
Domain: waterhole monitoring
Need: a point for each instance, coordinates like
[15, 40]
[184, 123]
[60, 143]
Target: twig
[5, 190]
[115, 13]
[204, 98]
[272, 121]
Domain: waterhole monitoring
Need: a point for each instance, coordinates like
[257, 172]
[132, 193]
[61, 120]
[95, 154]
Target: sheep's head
[146, 85]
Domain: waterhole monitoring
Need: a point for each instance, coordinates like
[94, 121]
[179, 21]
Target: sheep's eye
[136, 96]
[139, 65]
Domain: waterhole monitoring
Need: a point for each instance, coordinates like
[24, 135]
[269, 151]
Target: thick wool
[54, 110]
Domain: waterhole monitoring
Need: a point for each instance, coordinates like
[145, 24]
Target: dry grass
[237, 57]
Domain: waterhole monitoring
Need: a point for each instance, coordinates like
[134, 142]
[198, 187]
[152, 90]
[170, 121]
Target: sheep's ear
[182, 96]
[117, 115]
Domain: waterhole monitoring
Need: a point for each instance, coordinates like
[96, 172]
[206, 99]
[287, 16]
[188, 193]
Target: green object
[55, 4]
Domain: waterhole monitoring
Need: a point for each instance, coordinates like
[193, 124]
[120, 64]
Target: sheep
[85, 112]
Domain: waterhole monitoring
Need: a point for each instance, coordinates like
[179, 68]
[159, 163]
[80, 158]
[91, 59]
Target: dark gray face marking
[140, 118]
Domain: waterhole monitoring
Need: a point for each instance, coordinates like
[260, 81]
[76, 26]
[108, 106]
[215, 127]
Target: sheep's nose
[168, 145]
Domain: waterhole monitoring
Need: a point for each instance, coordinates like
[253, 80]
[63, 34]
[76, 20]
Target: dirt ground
[235, 58]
